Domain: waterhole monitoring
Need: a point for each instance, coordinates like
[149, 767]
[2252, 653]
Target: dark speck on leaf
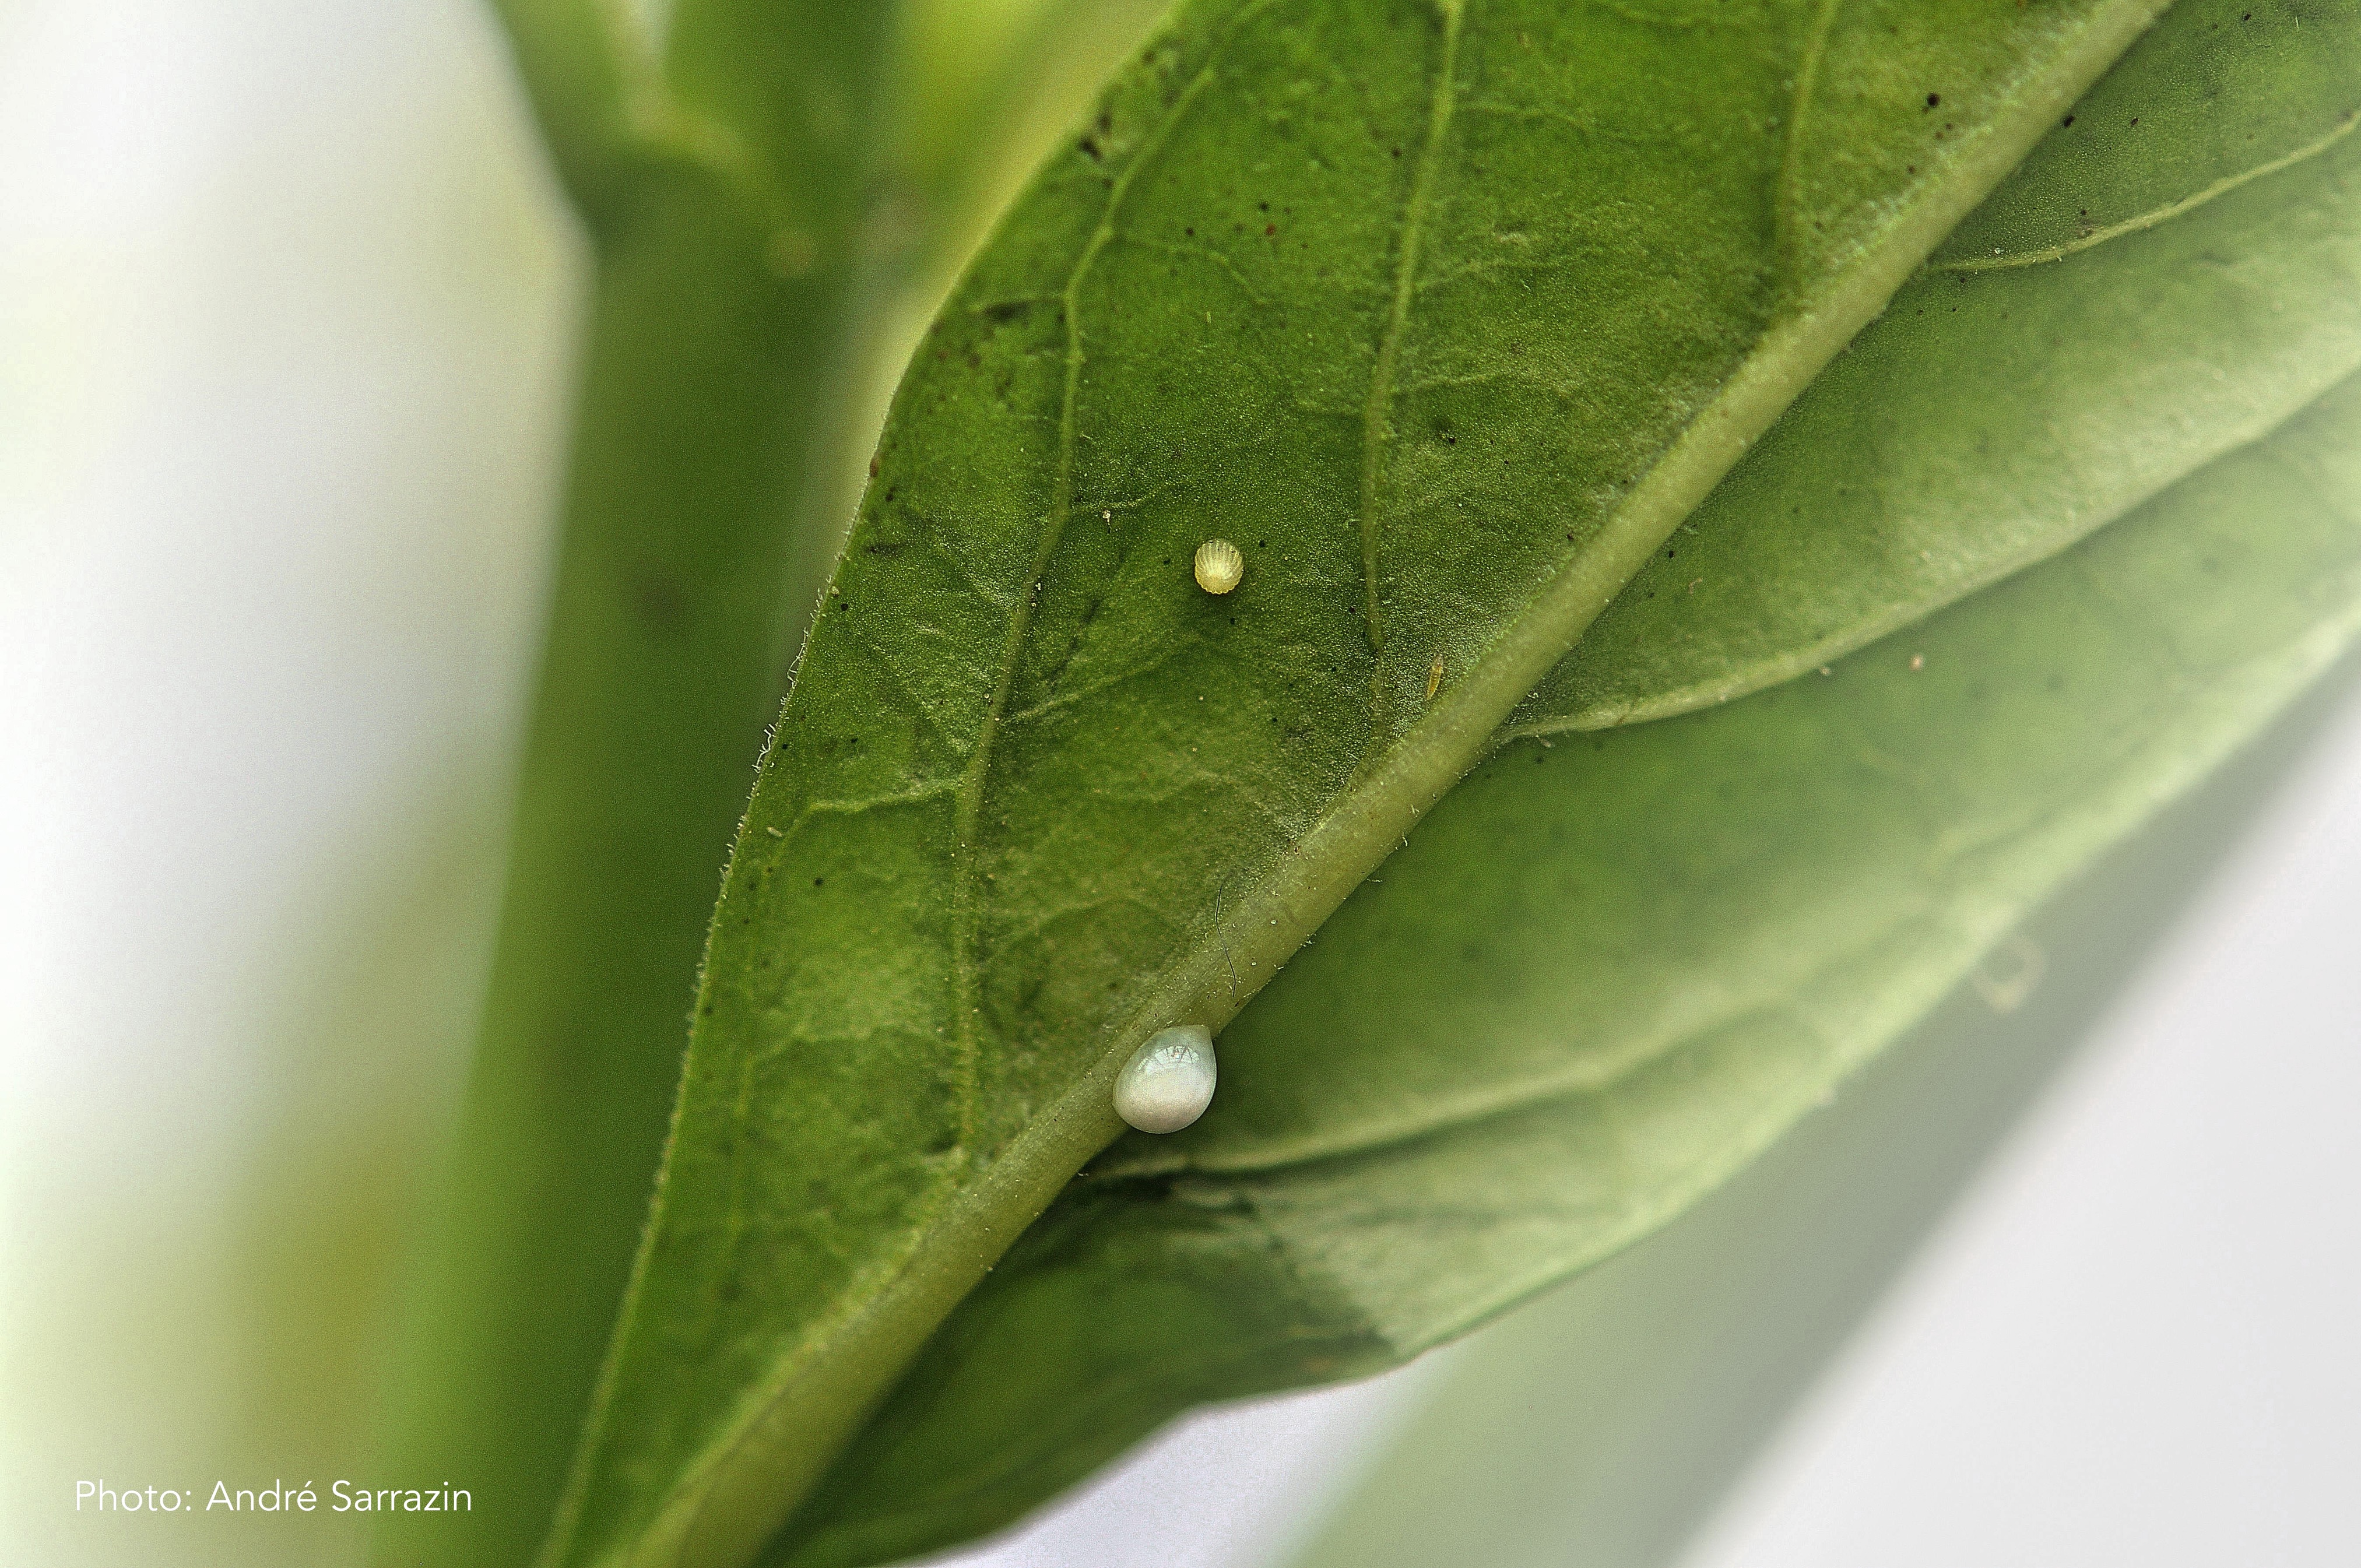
[661, 603]
[817, 881]
[1933, 99]
[2068, 120]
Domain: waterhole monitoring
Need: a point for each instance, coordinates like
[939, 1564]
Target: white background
[284, 310]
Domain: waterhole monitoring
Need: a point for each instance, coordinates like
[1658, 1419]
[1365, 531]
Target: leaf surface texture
[1611, 968]
[1448, 317]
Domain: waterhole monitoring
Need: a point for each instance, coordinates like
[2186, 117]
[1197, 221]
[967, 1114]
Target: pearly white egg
[1168, 1081]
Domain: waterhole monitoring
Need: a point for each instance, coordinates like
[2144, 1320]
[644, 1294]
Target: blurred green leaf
[1447, 316]
[981, 91]
[987, 86]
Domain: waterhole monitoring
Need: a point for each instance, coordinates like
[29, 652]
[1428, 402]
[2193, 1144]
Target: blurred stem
[723, 191]
[580, 60]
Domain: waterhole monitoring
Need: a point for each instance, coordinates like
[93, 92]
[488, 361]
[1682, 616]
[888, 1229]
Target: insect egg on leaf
[1219, 565]
[1168, 1081]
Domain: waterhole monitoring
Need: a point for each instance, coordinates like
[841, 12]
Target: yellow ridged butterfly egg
[1219, 565]
[1168, 1081]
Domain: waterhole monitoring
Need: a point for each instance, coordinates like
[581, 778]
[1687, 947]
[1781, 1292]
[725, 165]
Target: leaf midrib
[819, 1390]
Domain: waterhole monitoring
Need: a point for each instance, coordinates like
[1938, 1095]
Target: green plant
[1766, 492]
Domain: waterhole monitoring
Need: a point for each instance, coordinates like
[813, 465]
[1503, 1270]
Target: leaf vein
[2157, 215]
[966, 890]
[1377, 412]
[1787, 201]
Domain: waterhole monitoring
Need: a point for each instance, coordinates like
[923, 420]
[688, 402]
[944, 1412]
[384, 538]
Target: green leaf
[1703, 924]
[1610, 969]
[2212, 166]
[1605, 1421]
[988, 87]
[1447, 315]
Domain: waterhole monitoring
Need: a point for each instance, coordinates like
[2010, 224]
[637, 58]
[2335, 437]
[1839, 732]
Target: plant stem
[715, 344]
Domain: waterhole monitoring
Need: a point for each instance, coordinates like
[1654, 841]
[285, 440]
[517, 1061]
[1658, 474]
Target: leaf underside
[1446, 317]
[1614, 966]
